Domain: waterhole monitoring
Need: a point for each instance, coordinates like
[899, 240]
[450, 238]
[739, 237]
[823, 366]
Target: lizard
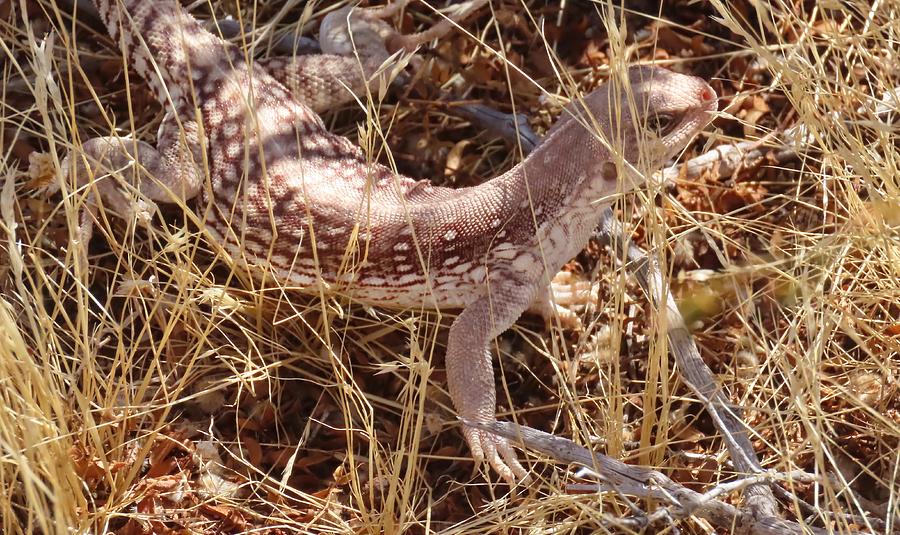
[285, 198]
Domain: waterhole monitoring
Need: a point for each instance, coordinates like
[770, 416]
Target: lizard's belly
[389, 290]
[423, 296]
[383, 271]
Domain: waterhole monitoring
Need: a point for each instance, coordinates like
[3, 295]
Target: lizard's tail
[388, 10]
[413, 40]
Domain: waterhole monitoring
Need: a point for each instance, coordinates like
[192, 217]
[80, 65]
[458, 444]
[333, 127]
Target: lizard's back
[289, 196]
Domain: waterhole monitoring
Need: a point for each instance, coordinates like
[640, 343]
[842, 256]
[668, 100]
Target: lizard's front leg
[555, 302]
[470, 375]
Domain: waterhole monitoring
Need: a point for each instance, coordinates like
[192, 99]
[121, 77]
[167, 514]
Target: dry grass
[157, 390]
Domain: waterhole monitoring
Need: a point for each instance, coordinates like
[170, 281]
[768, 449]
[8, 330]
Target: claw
[498, 453]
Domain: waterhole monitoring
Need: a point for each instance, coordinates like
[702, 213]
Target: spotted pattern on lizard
[287, 198]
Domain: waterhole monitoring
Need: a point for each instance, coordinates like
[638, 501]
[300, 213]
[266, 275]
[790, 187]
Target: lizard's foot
[499, 454]
[102, 157]
[566, 292]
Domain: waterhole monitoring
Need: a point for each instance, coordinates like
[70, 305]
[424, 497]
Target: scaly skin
[291, 200]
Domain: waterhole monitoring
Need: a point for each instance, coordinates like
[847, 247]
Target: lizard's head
[668, 110]
[646, 116]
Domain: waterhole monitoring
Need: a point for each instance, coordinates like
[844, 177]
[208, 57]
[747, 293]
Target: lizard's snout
[708, 97]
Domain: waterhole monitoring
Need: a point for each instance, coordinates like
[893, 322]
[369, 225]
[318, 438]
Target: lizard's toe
[562, 302]
[568, 319]
[473, 439]
[571, 291]
[511, 459]
[498, 453]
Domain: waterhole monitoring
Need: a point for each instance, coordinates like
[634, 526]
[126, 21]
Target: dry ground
[156, 391]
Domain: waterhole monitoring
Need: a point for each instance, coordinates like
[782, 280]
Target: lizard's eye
[661, 123]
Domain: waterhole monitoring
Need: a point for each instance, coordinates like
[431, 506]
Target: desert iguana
[286, 198]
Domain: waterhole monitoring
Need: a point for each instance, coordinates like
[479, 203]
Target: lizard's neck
[563, 173]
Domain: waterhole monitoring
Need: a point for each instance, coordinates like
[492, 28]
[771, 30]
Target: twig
[726, 160]
[693, 370]
[651, 484]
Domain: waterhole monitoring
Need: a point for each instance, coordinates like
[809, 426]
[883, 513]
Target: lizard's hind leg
[411, 41]
[166, 173]
[321, 81]
[356, 44]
